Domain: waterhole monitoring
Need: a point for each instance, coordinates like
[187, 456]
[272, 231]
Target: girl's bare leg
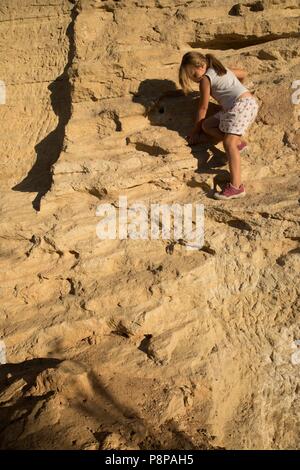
[210, 127]
[230, 143]
[217, 135]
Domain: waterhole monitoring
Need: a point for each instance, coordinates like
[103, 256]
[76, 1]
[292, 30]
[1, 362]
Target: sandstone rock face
[142, 343]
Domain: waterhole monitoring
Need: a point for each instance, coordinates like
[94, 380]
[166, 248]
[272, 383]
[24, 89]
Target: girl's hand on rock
[193, 137]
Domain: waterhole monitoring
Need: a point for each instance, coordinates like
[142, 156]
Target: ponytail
[214, 63]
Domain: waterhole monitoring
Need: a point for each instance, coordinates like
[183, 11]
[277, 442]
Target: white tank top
[225, 88]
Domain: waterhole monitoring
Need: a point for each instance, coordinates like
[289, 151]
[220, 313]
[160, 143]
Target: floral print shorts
[239, 117]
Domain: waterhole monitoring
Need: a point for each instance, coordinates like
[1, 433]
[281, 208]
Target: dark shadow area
[134, 431]
[39, 178]
[166, 105]
[117, 425]
[226, 41]
[15, 406]
[27, 370]
[240, 224]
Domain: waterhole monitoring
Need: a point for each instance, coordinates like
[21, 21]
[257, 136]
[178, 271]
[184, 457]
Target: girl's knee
[230, 140]
[204, 125]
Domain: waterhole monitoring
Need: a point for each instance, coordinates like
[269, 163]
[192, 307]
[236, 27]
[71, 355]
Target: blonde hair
[197, 59]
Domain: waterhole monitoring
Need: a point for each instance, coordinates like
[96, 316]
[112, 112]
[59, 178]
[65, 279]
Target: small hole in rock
[161, 110]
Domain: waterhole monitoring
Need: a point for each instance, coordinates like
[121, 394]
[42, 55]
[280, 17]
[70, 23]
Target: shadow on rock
[166, 105]
[122, 427]
[39, 178]
[15, 406]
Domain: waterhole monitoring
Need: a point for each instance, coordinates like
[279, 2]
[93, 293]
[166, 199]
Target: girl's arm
[202, 109]
[204, 100]
[239, 73]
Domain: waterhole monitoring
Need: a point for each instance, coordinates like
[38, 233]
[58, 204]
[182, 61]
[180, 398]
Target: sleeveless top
[225, 88]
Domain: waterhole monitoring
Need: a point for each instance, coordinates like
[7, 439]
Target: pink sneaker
[230, 192]
[243, 146]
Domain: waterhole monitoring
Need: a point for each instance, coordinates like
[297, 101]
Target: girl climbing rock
[239, 110]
